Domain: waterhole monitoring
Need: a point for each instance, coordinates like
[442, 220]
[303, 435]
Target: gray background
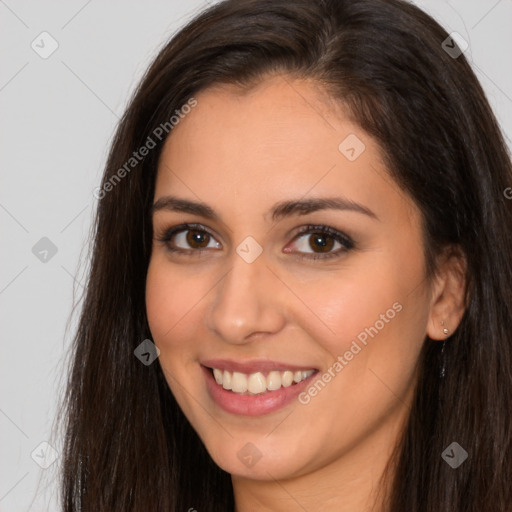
[58, 117]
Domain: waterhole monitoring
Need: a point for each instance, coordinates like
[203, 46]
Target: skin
[241, 152]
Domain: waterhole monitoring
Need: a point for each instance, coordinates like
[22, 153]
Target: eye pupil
[320, 239]
[198, 237]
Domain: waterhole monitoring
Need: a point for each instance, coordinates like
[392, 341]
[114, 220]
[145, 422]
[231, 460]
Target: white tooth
[287, 378]
[239, 382]
[226, 380]
[273, 380]
[218, 376]
[257, 383]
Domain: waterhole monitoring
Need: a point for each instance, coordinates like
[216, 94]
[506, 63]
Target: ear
[447, 304]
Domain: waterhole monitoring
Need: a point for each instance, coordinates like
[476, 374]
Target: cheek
[371, 321]
[337, 309]
[172, 299]
[370, 329]
[173, 304]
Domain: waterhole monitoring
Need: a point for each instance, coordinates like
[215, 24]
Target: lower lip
[252, 405]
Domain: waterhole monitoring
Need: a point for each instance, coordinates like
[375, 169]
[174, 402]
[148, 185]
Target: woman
[300, 291]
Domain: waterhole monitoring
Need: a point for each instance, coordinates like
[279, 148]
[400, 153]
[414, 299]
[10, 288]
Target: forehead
[267, 121]
[248, 149]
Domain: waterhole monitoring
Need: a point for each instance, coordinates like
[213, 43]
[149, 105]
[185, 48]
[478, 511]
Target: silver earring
[442, 372]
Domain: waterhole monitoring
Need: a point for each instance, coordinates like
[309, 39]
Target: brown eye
[321, 241]
[316, 242]
[188, 238]
[198, 237]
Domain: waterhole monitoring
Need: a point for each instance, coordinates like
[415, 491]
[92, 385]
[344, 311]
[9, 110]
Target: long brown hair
[128, 447]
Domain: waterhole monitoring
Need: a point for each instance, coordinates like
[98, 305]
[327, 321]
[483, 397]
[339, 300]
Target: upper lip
[252, 366]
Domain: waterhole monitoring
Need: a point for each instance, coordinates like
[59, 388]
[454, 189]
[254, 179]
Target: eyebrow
[277, 212]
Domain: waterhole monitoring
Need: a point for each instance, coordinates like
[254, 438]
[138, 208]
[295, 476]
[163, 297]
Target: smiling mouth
[260, 382]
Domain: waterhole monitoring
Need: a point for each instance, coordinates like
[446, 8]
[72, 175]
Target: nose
[248, 302]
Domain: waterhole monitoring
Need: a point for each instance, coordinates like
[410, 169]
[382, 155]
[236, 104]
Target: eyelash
[310, 229]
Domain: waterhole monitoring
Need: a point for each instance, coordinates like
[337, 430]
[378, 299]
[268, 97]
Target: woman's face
[248, 298]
